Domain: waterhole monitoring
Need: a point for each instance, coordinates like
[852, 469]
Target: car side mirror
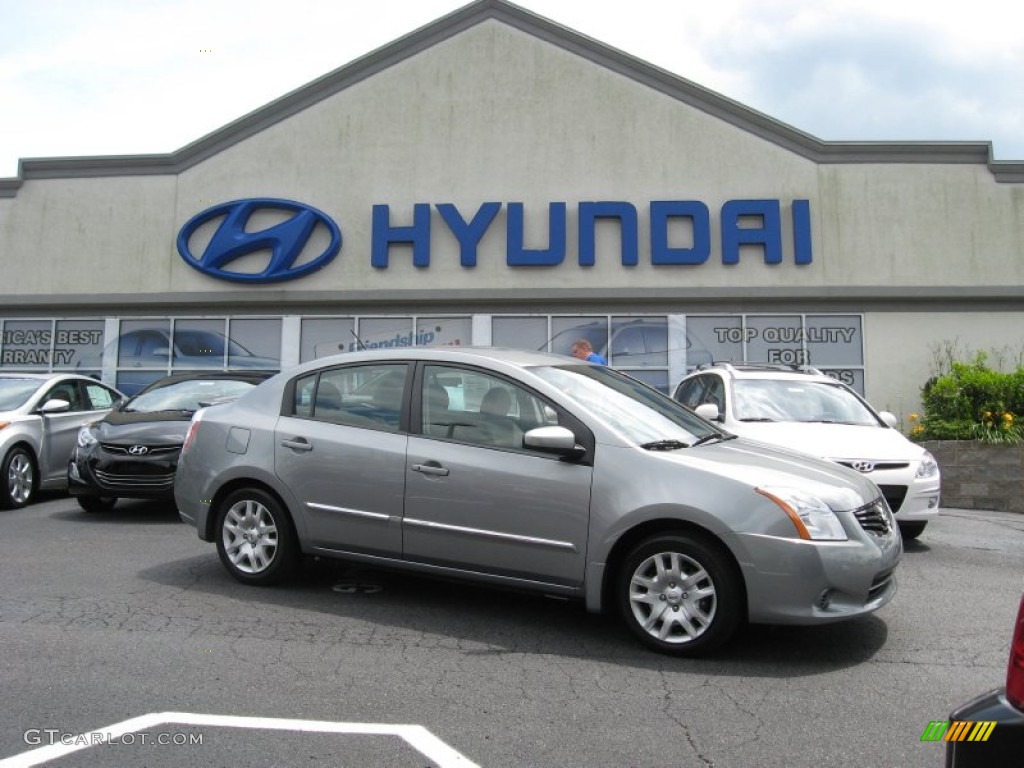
[161, 352]
[888, 418]
[708, 411]
[554, 440]
[56, 405]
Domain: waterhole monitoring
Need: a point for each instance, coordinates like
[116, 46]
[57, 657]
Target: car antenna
[360, 345]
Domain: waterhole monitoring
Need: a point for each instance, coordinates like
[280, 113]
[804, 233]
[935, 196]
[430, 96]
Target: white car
[807, 411]
[40, 415]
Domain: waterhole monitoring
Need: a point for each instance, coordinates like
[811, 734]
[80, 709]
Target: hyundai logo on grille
[863, 466]
[138, 450]
[286, 241]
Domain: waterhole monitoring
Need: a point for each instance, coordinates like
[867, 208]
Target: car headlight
[86, 439]
[812, 517]
[927, 468]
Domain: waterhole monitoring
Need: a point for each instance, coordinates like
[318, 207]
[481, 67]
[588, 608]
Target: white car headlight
[927, 468]
[812, 517]
[86, 439]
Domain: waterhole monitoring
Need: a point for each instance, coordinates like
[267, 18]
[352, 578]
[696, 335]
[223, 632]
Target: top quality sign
[742, 223]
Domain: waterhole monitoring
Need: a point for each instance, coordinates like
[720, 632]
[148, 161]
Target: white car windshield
[14, 393]
[637, 411]
[806, 401]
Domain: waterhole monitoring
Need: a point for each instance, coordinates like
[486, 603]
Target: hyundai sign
[741, 223]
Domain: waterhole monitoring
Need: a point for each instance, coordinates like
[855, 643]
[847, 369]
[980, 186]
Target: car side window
[474, 407]
[65, 390]
[100, 398]
[715, 393]
[368, 396]
[691, 390]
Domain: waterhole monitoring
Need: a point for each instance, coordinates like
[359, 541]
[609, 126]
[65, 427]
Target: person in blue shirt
[581, 348]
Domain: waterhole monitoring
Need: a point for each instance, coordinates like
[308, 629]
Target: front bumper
[794, 581]
[97, 474]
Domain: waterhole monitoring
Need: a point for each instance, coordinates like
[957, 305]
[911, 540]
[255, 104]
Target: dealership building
[496, 178]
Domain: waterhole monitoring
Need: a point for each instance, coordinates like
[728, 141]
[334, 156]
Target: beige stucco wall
[497, 114]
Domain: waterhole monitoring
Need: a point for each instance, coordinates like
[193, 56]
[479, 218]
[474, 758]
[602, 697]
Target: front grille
[151, 450]
[142, 482]
[874, 518]
[894, 495]
[875, 466]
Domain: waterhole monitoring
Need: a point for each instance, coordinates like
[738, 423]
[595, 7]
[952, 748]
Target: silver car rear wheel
[19, 479]
[255, 540]
[680, 594]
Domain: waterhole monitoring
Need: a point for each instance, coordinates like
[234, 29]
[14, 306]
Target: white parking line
[416, 736]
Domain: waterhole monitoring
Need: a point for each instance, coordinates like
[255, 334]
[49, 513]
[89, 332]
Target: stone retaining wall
[979, 475]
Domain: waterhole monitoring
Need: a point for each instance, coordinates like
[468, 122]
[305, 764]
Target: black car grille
[867, 466]
[874, 518]
[151, 450]
[154, 482]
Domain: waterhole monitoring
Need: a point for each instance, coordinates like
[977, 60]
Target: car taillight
[1015, 667]
[192, 429]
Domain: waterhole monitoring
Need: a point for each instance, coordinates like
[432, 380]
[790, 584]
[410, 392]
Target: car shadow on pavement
[477, 620]
[125, 512]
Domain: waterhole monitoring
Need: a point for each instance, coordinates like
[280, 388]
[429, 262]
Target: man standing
[581, 348]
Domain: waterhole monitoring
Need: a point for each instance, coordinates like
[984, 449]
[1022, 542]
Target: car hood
[162, 427]
[833, 441]
[761, 465]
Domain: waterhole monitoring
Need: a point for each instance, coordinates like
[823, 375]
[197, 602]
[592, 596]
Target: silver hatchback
[540, 472]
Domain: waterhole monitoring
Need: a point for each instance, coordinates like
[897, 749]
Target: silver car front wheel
[19, 479]
[255, 540]
[680, 594]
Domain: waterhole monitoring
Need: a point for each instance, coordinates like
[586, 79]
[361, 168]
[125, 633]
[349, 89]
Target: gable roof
[685, 91]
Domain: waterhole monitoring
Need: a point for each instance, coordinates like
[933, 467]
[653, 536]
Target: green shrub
[973, 402]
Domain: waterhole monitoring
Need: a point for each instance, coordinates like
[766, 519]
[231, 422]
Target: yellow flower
[913, 417]
[917, 430]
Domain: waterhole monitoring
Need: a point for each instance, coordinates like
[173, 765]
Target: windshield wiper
[757, 418]
[664, 445]
[716, 436]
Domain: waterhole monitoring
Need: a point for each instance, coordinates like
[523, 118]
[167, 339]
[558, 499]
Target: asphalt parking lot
[127, 616]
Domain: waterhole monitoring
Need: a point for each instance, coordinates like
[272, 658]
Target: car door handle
[432, 468]
[298, 444]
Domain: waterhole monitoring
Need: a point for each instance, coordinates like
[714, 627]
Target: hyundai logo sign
[138, 450]
[286, 241]
[863, 466]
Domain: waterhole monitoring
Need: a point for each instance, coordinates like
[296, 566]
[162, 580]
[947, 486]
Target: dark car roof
[252, 376]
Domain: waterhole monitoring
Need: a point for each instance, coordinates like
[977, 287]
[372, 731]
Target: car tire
[19, 478]
[96, 503]
[911, 529]
[680, 594]
[255, 538]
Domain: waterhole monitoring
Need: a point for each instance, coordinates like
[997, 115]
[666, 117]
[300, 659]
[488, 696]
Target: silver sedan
[40, 415]
[536, 472]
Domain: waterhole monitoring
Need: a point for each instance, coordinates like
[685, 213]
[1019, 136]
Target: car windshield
[188, 395]
[637, 411]
[14, 393]
[805, 401]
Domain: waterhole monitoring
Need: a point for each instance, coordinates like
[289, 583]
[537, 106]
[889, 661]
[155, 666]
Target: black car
[989, 731]
[133, 451]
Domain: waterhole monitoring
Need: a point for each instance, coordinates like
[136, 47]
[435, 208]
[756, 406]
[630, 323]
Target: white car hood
[833, 441]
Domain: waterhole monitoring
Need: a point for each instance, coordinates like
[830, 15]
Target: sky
[122, 77]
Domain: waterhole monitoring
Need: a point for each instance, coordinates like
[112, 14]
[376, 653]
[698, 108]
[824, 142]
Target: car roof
[45, 376]
[764, 371]
[246, 375]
